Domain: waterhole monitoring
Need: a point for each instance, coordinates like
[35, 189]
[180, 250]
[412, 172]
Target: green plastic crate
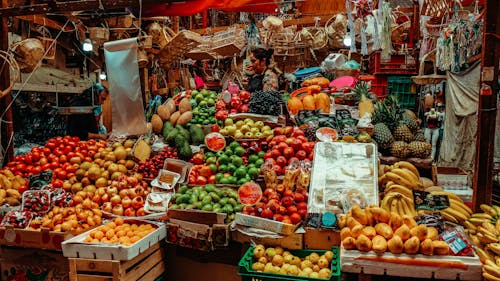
[401, 86]
[247, 274]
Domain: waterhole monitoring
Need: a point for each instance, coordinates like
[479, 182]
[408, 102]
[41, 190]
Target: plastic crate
[397, 64]
[401, 86]
[247, 274]
[379, 86]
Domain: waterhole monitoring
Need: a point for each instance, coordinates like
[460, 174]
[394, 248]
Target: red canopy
[192, 7]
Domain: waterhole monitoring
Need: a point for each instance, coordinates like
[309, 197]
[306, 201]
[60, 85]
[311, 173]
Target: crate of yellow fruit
[117, 239]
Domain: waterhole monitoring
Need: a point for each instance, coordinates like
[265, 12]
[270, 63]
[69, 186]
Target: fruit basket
[248, 274]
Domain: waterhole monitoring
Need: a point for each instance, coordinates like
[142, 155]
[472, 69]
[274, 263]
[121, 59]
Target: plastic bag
[269, 173]
[291, 173]
[304, 177]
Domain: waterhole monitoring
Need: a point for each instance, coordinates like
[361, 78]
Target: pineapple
[410, 121]
[385, 114]
[383, 136]
[420, 149]
[400, 149]
[361, 91]
[419, 136]
[402, 133]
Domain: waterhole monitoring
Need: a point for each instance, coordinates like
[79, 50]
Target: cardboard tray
[266, 224]
[197, 216]
[76, 248]
[439, 267]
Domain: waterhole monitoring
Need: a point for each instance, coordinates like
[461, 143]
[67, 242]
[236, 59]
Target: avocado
[197, 135]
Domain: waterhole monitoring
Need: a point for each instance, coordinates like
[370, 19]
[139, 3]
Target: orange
[110, 233]
[118, 221]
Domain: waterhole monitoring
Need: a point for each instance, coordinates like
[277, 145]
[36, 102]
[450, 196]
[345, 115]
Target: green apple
[228, 122]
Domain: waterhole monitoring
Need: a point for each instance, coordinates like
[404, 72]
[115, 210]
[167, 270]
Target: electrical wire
[16, 95]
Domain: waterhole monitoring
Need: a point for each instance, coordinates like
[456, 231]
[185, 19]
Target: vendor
[88, 125]
[263, 78]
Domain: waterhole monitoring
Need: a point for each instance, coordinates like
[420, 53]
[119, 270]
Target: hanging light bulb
[87, 45]
[103, 76]
[347, 40]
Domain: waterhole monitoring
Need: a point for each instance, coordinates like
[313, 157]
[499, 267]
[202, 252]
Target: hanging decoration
[350, 26]
[385, 41]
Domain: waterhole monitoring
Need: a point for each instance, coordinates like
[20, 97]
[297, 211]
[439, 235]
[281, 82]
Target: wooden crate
[147, 266]
[321, 238]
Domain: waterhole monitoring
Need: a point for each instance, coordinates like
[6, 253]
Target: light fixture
[103, 76]
[87, 45]
[347, 40]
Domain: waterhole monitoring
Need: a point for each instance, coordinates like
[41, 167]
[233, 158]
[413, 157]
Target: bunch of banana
[484, 228]
[401, 173]
[399, 203]
[458, 212]
[491, 271]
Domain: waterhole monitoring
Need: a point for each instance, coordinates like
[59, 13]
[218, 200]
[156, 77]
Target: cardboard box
[190, 235]
[33, 265]
[452, 178]
[293, 241]
[315, 238]
[197, 216]
[76, 248]
[43, 239]
[266, 224]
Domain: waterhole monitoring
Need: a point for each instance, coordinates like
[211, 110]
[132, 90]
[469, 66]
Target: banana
[405, 173]
[482, 216]
[409, 166]
[485, 232]
[382, 180]
[497, 209]
[494, 247]
[488, 210]
[497, 260]
[401, 208]
[486, 239]
[462, 205]
[449, 194]
[394, 205]
[389, 184]
[400, 189]
[490, 277]
[497, 226]
[469, 225]
[475, 240]
[448, 217]
[490, 227]
[491, 268]
[405, 208]
[477, 221]
[411, 206]
[401, 180]
[459, 215]
[386, 202]
[459, 209]
[483, 255]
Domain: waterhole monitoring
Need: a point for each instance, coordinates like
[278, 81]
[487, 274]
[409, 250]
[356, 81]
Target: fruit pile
[203, 103]
[397, 131]
[172, 114]
[152, 166]
[376, 229]
[11, 188]
[207, 198]
[287, 145]
[124, 197]
[229, 166]
[77, 218]
[233, 103]
[119, 231]
[277, 260]
[484, 232]
[286, 206]
[246, 129]
[401, 179]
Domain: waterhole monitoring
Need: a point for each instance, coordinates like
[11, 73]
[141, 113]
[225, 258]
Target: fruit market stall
[335, 173]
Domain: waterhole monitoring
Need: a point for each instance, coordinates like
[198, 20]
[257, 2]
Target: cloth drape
[125, 87]
[458, 148]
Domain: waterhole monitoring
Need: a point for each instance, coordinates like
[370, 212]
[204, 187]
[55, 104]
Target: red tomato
[63, 159]
[67, 149]
[22, 189]
[36, 156]
[37, 170]
[45, 167]
[85, 152]
[75, 139]
[28, 158]
[46, 150]
[50, 145]
[61, 174]
[205, 171]
[70, 169]
[57, 183]
[21, 167]
[53, 165]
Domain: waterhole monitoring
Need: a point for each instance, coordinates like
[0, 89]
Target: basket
[98, 34]
[9, 59]
[229, 42]
[29, 54]
[142, 58]
[125, 21]
[400, 31]
[50, 47]
[429, 79]
[314, 37]
[146, 41]
[336, 28]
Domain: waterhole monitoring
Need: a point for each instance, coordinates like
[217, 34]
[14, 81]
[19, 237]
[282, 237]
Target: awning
[197, 6]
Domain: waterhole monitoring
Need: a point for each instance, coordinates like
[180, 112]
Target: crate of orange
[119, 239]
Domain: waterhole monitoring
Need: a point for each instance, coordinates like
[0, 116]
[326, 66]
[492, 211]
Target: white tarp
[125, 87]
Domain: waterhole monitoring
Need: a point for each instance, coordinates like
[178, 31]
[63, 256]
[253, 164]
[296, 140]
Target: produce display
[279, 261]
[231, 103]
[265, 103]
[119, 231]
[246, 129]
[203, 107]
[375, 229]
[207, 198]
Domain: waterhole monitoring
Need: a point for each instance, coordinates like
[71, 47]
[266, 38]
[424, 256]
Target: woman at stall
[263, 77]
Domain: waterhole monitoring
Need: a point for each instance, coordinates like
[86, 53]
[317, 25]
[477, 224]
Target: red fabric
[192, 7]
[466, 3]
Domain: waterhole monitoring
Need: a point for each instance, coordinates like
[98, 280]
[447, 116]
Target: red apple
[288, 153]
[298, 197]
[137, 202]
[107, 207]
[269, 191]
[296, 144]
[302, 213]
[129, 212]
[295, 218]
[132, 180]
[248, 209]
[287, 201]
[302, 205]
[301, 154]
[118, 210]
[281, 161]
[278, 217]
[140, 212]
[96, 198]
[267, 213]
[115, 199]
[104, 198]
[123, 193]
[291, 210]
[282, 210]
[277, 131]
[112, 190]
[282, 146]
[126, 202]
[297, 132]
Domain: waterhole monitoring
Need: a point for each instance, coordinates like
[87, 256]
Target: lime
[242, 181]
[222, 168]
[198, 98]
[228, 152]
[223, 159]
[259, 162]
[234, 145]
[251, 165]
[261, 154]
[240, 151]
[237, 161]
[213, 167]
[224, 201]
[253, 172]
[241, 172]
[252, 158]
[232, 180]
[207, 207]
[231, 168]
[211, 160]
[218, 177]
[224, 181]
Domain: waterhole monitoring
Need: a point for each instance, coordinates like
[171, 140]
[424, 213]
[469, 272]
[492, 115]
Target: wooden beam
[70, 6]
[6, 128]
[44, 88]
[43, 20]
[485, 138]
